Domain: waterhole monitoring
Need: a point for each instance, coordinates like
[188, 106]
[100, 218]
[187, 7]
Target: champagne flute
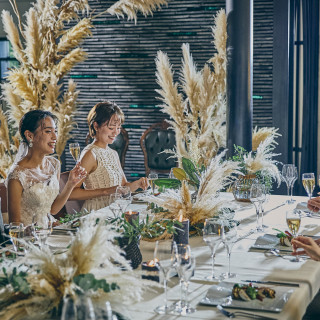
[15, 232]
[229, 237]
[295, 177]
[151, 178]
[212, 236]
[74, 149]
[294, 221]
[288, 174]
[165, 257]
[308, 182]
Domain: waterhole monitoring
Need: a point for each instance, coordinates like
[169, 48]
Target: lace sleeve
[56, 165]
[14, 173]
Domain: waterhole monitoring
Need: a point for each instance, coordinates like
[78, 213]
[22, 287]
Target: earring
[30, 143]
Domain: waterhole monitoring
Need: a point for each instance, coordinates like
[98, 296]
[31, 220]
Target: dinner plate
[222, 294]
[269, 241]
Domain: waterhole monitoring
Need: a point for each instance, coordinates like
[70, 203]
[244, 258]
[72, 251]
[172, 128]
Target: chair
[3, 196]
[71, 206]
[154, 140]
[120, 144]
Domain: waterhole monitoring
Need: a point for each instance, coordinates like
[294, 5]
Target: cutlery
[242, 314]
[279, 283]
[276, 253]
[280, 205]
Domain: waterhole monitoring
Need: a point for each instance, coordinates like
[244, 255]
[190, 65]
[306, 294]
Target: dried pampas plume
[198, 116]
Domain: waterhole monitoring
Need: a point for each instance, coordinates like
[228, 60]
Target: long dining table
[248, 263]
[247, 260]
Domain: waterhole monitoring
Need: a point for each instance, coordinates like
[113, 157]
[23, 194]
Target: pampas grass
[198, 115]
[50, 276]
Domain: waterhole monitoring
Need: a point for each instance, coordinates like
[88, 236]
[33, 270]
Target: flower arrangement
[198, 110]
[260, 161]
[206, 203]
[92, 265]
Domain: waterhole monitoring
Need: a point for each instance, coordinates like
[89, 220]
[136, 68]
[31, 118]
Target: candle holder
[182, 232]
[131, 216]
[151, 271]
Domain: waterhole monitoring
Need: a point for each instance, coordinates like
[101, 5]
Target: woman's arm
[89, 163]
[14, 200]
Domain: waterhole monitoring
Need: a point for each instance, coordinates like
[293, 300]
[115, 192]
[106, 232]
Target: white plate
[222, 294]
[269, 241]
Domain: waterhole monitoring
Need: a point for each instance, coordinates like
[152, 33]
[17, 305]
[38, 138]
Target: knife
[280, 205]
[279, 283]
[242, 314]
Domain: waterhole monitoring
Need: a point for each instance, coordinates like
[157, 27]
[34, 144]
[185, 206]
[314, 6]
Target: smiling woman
[102, 163]
[33, 180]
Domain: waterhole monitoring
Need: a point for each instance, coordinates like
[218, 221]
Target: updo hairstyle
[33, 120]
[101, 113]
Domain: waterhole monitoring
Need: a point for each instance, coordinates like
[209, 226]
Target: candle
[182, 232]
[130, 216]
[151, 270]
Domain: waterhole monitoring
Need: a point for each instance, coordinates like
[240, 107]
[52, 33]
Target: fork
[241, 314]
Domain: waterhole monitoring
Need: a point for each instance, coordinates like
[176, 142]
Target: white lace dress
[40, 189]
[109, 173]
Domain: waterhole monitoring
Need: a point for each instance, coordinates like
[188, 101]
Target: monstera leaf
[191, 171]
[168, 183]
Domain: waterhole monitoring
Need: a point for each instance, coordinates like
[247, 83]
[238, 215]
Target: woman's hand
[141, 183]
[77, 174]
[309, 246]
[314, 204]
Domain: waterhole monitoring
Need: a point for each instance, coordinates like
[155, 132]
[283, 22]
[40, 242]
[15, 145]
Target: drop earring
[30, 143]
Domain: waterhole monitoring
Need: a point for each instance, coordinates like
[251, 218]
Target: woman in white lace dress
[102, 163]
[33, 180]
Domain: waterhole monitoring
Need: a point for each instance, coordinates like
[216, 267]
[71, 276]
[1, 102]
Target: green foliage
[168, 183]
[18, 281]
[70, 217]
[155, 209]
[89, 282]
[192, 171]
[146, 228]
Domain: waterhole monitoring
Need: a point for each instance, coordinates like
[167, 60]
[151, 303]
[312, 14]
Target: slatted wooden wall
[121, 65]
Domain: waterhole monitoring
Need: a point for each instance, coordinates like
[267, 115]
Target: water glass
[41, 233]
[212, 236]
[114, 204]
[125, 197]
[288, 175]
[308, 182]
[295, 177]
[165, 255]
[257, 197]
[16, 230]
[77, 308]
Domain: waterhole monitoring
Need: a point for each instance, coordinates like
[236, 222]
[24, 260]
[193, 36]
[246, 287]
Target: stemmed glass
[151, 178]
[308, 182]
[114, 204]
[79, 309]
[212, 233]
[125, 197]
[165, 255]
[16, 230]
[295, 177]
[185, 267]
[288, 175]
[41, 233]
[229, 238]
[293, 221]
[74, 149]
[257, 197]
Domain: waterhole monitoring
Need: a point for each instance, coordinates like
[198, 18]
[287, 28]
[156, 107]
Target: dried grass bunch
[47, 48]
[51, 277]
[198, 115]
[130, 8]
[217, 176]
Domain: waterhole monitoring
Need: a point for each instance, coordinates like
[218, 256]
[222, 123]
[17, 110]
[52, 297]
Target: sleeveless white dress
[40, 189]
[108, 173]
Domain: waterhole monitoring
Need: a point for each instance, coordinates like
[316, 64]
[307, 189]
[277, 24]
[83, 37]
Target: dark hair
[33, 120]
[101, 113]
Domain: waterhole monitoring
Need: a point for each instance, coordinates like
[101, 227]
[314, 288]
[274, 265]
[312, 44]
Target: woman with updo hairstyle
[101, 162]
[33, 179]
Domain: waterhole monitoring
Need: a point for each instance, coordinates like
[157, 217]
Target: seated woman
[100, 161]
[33, 180]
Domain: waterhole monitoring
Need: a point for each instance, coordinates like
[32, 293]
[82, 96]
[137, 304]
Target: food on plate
[248, 292]
[284, 238]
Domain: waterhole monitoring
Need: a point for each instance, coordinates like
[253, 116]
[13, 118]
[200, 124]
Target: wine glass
[293, 221]
[78, 308]
[185, 267]
[74, 149]
[165, 257]
[125, 197]
[41, 233]
[257, 197]
[114, 204]
[151, 178]
[15, 232]
[288, 174]
[308, 182]
[212, 232]
[229, 238]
